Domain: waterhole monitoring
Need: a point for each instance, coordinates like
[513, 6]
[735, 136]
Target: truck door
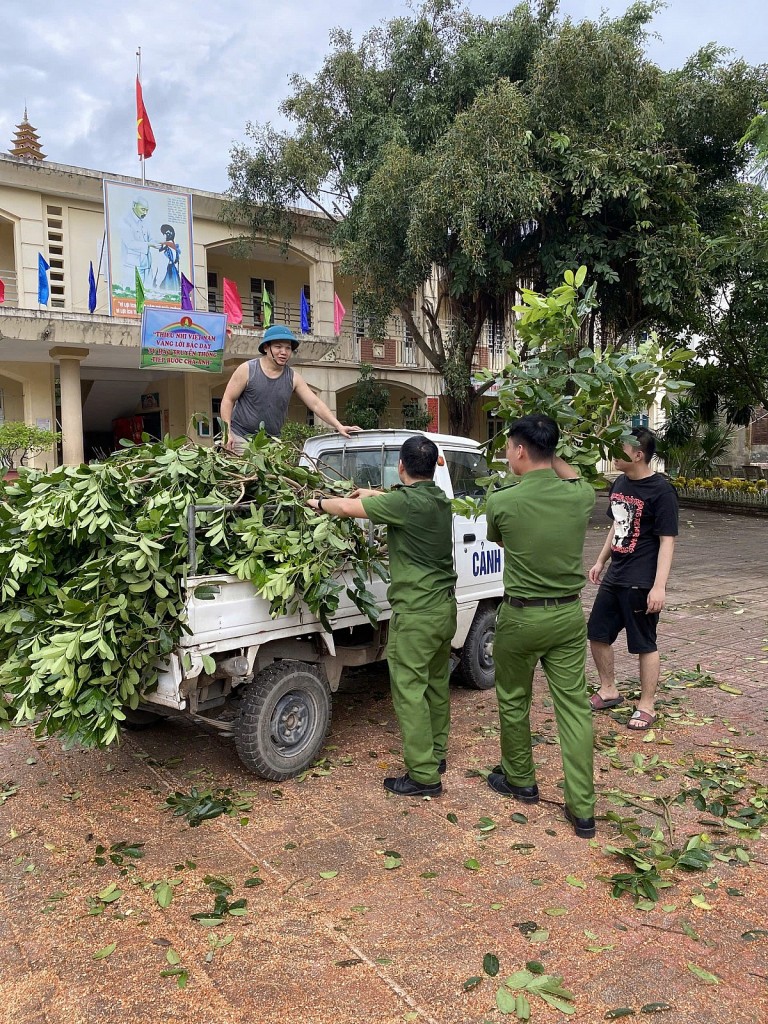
[479, 564]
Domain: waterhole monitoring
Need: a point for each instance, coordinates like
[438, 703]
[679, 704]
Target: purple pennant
[186, 294]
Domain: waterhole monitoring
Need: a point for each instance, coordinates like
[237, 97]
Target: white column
[69, 359]
[321, 289]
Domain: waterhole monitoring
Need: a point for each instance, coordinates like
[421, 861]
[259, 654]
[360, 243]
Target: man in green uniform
[422, 594]
[541, 524]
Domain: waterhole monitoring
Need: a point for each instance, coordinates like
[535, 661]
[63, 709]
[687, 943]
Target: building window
[409, 348]
[495, 425]
[359, 325]
[55, 240]
[213, 292]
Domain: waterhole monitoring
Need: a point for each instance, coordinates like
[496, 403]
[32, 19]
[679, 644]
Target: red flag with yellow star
[145, 138]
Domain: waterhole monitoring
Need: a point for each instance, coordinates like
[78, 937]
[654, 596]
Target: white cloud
[208, 70]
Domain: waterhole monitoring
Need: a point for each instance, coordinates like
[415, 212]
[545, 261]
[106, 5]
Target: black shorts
[618, 608]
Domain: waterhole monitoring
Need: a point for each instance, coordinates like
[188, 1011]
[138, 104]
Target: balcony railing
[287, 313]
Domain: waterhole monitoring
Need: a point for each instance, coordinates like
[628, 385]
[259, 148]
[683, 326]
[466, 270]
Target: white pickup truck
[273, 678]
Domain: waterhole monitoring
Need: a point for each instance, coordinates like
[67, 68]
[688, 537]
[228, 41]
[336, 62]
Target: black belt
[538, 602]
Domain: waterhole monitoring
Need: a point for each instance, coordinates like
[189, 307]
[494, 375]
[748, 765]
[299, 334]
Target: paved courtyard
[366, 909]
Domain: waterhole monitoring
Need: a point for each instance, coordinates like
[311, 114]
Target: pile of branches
[94, 561]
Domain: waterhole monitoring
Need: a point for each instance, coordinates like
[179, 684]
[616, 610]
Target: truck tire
[284, 719]
[477, 667]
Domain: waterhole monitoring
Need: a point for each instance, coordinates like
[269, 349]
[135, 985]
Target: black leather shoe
[583, 827]
[441, 767]
[404, 785]
[498, 783]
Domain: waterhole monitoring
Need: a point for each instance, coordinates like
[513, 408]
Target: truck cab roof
[385, 437]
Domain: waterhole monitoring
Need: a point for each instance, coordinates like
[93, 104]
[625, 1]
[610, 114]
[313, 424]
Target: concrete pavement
[377, 909]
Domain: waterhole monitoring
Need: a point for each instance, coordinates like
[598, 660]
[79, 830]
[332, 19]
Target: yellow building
[65, 368]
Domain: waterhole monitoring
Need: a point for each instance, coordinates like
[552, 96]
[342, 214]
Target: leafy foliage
[689, 446]
[198, 807]
[296, 434]
[94, 561]
[591, 393]
[369, 400]
[19, 441]
[452, 158]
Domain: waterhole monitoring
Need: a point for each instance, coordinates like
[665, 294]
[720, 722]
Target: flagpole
[138, 73]
[101, 254]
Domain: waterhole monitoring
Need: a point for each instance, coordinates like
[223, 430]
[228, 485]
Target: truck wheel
[284, 719]
[140, 719]
[477, 668]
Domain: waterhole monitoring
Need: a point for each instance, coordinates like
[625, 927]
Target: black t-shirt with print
[642, 510]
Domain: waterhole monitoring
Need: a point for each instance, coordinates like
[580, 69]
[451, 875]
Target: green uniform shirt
[541, 522]
[419, 537]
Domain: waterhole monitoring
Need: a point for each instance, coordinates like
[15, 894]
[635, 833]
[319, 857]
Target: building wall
[58, 211]
[12, 404]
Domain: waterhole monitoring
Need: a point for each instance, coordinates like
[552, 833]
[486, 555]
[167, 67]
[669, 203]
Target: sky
[208, 69]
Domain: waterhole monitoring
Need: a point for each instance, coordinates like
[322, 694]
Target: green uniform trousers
[418, 655]
[555, 635]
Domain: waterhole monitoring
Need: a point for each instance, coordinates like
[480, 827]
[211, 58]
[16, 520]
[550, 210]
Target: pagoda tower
[26, 142]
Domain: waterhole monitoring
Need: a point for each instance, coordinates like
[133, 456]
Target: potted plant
[19, 441]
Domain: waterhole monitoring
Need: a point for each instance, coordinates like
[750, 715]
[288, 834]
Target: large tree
[456, 158]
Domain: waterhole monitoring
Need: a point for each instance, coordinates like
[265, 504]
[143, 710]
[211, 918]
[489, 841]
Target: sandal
[641, 721]
[598, 703]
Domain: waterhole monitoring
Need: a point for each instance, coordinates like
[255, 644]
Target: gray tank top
[264, 401]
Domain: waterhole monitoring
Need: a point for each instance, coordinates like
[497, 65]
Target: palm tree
[691, 446]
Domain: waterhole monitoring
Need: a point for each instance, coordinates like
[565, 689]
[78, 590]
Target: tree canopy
[457, 159]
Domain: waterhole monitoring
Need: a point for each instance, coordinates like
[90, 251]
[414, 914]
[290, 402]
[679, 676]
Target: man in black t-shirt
[640, 544]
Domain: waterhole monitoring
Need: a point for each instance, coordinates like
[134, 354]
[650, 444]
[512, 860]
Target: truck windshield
[367, 467]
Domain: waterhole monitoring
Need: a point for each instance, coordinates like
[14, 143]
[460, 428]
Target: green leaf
[558, 1003]
[491, 964]
[700, 901]
[172, 957]
[521, 819]
[620, 1011]
[471, 864]
[505, 1001]
[472, 983]
[110, 894]
[520, 979]
[164, 894]
[655, 1008]
[703, 975]
[328, 874]
[576, 882]
[209, 664]
[540, 935]
[102, 954]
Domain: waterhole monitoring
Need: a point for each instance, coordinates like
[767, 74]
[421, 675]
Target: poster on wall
[193, 341]
[149, 246]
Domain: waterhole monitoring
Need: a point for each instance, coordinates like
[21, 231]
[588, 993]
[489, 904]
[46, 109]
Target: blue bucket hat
[278, 333]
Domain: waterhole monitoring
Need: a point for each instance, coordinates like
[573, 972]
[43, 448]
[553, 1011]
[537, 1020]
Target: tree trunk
[461, 415]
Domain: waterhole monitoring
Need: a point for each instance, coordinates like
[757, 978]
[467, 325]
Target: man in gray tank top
[259, 391]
